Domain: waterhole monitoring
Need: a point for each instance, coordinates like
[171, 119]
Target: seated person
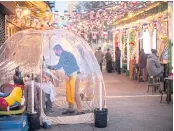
[48, 88]
[154, 67]
[49, 92]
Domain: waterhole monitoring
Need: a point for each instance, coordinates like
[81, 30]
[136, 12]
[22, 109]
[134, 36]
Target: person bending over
[68, 62]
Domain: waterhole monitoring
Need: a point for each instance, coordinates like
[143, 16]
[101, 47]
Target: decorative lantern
[94, 35]
[28, 21]
[66, 13]
[124, 5]
[145, 26]
[19, 12]
[135, 28]
[56, 17]
[155, 24]
[91, 15]
[105, 34]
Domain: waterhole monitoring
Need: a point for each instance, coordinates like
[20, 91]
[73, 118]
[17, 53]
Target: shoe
[68, 112]
[49, 112]
[80, 113]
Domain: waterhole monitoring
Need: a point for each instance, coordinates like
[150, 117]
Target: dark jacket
[68, 62]
[117, 54]
[108, 56]
[142, 60]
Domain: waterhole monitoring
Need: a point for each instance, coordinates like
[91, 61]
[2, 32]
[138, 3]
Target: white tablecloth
[49, 89]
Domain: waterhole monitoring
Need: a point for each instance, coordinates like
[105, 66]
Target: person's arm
[157, 63]
[55, 67]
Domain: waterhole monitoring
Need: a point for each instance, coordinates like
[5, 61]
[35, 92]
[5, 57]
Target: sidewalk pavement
[130, 107]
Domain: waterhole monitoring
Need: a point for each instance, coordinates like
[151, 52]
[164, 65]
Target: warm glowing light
[47, 12]
[130, 14]
[26, 12]
[38, 26]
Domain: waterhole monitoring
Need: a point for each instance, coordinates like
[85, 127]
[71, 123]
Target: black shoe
[49, 112]
[68, 112]
[80, 113]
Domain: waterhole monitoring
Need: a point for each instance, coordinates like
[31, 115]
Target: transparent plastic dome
[34, 51]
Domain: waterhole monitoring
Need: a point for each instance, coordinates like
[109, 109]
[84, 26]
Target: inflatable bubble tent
[35, 53]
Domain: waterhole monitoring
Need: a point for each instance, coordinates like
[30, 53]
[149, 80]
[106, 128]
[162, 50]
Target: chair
[154, 82]
[169, 83]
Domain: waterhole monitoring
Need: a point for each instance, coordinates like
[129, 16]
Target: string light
[130, 15]
[149, 18]
[137, 13]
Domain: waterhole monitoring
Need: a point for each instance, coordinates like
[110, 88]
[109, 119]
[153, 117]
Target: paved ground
[130, 107]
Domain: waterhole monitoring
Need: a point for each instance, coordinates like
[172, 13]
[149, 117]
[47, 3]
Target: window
[146, 42]
[154, 39]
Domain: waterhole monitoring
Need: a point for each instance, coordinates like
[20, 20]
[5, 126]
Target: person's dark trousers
[109, 66]
[101, 67]
[48, 102]
[117, 64]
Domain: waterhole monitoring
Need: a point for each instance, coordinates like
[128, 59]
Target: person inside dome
[68, 62]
